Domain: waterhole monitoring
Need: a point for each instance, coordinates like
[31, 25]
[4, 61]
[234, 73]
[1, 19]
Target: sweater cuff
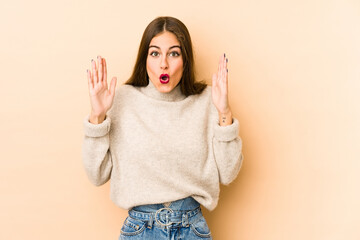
[227, 133]
[96, 130]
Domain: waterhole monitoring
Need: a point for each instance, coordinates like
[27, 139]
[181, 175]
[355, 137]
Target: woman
[164, 140]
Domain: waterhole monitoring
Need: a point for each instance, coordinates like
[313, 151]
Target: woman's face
[164, 63]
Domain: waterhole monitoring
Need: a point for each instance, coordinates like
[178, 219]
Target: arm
[227, 145]
[95, 149]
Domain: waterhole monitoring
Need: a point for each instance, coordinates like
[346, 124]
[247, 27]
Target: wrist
[96, 118]
[225, 118]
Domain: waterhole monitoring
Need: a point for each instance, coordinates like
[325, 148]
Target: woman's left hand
[220, 92]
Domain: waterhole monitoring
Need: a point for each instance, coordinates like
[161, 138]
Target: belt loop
[150, 221]
[185, 220]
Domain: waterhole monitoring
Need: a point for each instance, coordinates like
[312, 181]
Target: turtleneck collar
[173, 96]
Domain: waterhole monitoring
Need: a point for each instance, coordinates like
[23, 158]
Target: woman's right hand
[101, 98]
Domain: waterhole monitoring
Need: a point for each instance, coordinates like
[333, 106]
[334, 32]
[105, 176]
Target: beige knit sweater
[160, 147]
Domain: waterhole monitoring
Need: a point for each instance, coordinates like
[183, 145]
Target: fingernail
[92, 60]
[224, 54]
[227, 60]
[227, 70]
[98, 56]
[87, 70]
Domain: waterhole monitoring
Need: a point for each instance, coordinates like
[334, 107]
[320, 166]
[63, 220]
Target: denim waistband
[180, 212]
[185, 204]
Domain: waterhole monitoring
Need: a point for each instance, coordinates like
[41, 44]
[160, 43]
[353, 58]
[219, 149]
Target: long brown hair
[188, 84]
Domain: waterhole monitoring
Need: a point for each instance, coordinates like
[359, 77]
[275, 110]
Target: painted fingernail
[92, 60]
[87, 70]
[224, 54]
[227, 60]
[227, 70]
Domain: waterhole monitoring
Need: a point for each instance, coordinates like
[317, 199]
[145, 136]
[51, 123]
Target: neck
[151, 91]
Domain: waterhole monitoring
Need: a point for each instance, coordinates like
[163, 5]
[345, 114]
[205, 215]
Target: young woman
[164, 140]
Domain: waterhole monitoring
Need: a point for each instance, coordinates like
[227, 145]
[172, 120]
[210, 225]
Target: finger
[91, 75]
[219, 67]
[225, 77]
[221, 74]
[95, 72]
[105, 70]
[90, 81]
[100, 65]
[227, 70]
[224, 69]
[112, 86]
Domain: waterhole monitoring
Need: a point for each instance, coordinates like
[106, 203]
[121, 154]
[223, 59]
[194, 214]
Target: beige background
[294, 71]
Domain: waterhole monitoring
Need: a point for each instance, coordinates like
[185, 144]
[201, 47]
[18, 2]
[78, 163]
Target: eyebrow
[169, 47]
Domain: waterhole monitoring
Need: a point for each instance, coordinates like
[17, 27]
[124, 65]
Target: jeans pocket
[132, 227]
[200, 228]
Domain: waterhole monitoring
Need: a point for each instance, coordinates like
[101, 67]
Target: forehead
[164, 40]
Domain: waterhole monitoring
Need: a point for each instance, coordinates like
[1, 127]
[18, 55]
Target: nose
[164, 62]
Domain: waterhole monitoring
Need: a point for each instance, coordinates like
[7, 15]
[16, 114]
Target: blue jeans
[183, 219]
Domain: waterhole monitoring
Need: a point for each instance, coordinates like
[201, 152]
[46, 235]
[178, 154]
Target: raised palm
[101, 97]
[220, 87]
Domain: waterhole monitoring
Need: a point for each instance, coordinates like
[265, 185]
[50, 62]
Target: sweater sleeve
[96, 152]
[227, 147]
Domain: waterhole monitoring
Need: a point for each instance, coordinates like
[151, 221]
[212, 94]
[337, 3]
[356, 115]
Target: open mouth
[164, 78]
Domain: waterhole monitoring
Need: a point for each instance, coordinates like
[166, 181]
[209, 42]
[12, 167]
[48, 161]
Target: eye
[154, 53]
[174, 54]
